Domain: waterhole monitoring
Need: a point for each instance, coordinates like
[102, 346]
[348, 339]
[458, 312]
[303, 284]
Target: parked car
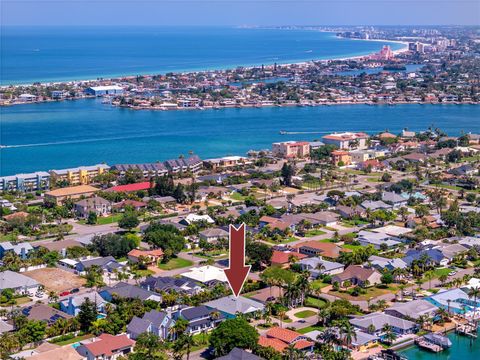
[75, 290]
[64, 293]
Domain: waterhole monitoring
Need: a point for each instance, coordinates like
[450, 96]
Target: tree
[389, 335]
[32, 332]
[259, 254]
[148, 347]
[386, 177]
[232, 333]
[288, 171]
[129, 220]
[166, 237]
[87, 315]
[92, 218]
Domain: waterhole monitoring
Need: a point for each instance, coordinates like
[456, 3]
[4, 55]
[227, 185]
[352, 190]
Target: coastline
[226, 68]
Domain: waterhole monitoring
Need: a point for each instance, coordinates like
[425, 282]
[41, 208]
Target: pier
[467, 330]
[425, 344]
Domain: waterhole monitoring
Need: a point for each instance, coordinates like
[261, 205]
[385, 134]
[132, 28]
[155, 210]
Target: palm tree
[291, 353]
[389, 335]
[429, 275]
[348, 333]
[474, 292]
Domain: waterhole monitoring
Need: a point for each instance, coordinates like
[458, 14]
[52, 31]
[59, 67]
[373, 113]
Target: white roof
[12, 280]
[392, 230]
[69, 262]
[106, 87]
[205, 274]
[194, 218]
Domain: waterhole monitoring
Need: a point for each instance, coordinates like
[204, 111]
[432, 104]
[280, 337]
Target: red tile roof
[131, 187]
[285, 335]
[108, 345]
[279, 339]
[282, 257]
[273, 343]
[137, 253]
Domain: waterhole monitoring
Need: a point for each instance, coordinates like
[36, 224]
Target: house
[229, 306]
[58, 196]
[392, 230]
[104, 90]
[362, 341]
[107, 264]
[283, 258]
[45, 313]
[106, 347]
[347, 140]
[213, 234]
[317, 266]
[452, 250]
[279, 339]
[268, 294]
[349, 212]
[154, 322]
[432, 257]
[19, 283]
[193, 218]
[96, 204]
[412, 310]
[463, 170]
[275, 223]
[381, 263]
[372, 164]
[133, 204]
[208, 275]
[454, 300]
[128, 291]
[226, 162]
[200, 318]
[395, 199]
[21, 249]
[318, 248]
[239, 354]
[72, 304]
[51, 352]
[171, 284]
[431, 222]
[375, 205]
[378, 320]
[358, 275]
[149, 256]
[415, 157]
[5, 327]
[378, 240]
[326, 218]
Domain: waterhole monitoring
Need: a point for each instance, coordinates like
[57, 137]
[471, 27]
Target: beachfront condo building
[291, 149]
[26, 182]
[347, 140]
[78, 176]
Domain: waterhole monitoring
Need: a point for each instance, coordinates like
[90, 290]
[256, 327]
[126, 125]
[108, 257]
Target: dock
[467, 330]
[425, 344]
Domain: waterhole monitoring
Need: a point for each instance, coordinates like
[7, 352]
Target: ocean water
[46, 54]
[462, 349]
[57, 135]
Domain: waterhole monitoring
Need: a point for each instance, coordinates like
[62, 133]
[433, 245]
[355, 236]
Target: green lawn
[175, 263]
[440, 272]
[72, 340]
[310, 328]
[314, 232]
[8, 237]
[144, 273]
[284, 241]
[237, 196]
[304, 314]
[318, 284]
[103, 220]
[201, 341]
[351, 247]
[315, 302]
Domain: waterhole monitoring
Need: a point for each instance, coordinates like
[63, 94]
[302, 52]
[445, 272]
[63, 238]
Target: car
[451, 273]
[64, 293]
[75, 290]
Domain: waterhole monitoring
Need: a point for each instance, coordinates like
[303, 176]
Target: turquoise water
[462, 349]
[70, 53]
[71, 133]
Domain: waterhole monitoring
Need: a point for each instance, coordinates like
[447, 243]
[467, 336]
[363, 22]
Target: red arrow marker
[237, 272]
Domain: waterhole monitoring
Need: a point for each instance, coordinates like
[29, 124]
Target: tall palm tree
[389, 334]
[474, 292]
[348, 333]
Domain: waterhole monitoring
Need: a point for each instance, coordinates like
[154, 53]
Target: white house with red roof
[106, 347]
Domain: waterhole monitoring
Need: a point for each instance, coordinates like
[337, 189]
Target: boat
[387, 354]
[438, 339]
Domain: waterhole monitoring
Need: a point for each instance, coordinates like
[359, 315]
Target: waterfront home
[155, 322]
[200, 318]
[454, 301]
[230, 305]
[279, 339]
[213, 234]
[318, 248]
[58, 196]
[291, 149]
[362, 341]
[19, 283]
[347, 140]
[72, 304]
[412, 310]
[82, 175]
[45, 313]
[106, 346]
[171, 284]
[96, 205]
[226, 162]
[378, 320]
[37, 181]
[127, 291]
[148, 256]
[207, 275]
[317, 266]
[21, 249]
[357, 275]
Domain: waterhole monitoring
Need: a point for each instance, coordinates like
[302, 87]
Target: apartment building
[26, 182]
[347, 140]
[291, 149]
[78, 176]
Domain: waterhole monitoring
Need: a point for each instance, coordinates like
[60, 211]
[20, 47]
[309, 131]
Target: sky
[240, 12]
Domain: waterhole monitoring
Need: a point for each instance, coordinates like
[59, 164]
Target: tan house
[358, 275]
[95, 204]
